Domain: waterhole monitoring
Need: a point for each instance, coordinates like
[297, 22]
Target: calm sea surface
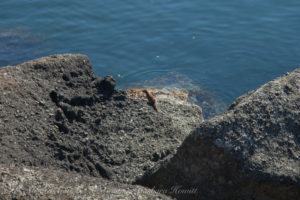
[229, 47]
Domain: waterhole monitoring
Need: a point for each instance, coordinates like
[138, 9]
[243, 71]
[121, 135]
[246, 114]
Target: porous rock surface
[252, 151]
[26, 182]
[56, 114]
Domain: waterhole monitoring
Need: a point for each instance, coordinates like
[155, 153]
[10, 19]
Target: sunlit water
[228, 47]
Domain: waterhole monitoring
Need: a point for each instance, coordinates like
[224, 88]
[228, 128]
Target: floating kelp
[180, 83]
[18, 45]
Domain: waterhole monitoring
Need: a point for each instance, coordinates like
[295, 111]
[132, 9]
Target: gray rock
[53, 116]
[44, 184]
[250, 152]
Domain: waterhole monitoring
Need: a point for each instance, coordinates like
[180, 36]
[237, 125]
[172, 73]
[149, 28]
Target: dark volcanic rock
[56, 113]
[250, 152]
[107, 85]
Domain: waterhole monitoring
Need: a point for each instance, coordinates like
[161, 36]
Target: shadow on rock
[250, 152]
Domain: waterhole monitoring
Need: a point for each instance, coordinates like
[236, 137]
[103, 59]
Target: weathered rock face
[250, 152]
[56, 113]
[44, 184]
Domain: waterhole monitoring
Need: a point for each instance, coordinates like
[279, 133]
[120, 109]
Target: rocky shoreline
[67, 130]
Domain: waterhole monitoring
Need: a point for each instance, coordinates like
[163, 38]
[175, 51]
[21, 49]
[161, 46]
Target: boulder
[56, 114]
[252, 151]
[44, 184]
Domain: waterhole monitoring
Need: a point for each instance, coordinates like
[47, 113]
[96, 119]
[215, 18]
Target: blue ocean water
[229, 47]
